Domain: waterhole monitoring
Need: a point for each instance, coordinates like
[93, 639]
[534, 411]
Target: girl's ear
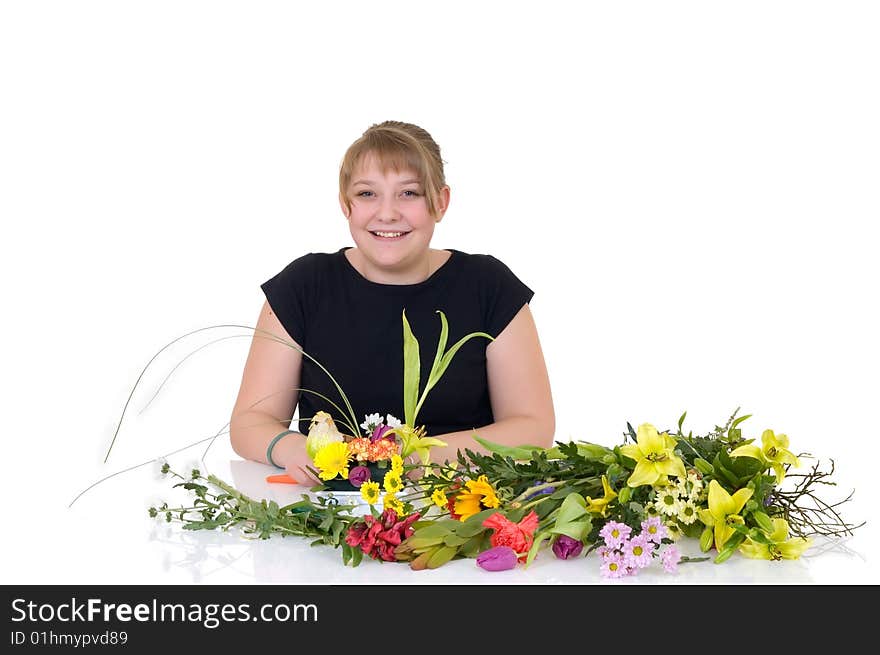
[345, 210]
[442, 203]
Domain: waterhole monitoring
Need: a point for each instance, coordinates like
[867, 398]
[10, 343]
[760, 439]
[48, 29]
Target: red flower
[379, 537]
[518, 536]
[450, 505]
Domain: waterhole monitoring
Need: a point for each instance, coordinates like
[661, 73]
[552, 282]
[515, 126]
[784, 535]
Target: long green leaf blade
[411, 372]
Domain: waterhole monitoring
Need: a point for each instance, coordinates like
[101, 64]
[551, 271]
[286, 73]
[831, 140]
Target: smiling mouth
[389, 235]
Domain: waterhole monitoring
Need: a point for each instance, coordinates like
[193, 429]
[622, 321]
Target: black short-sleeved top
[353, 327]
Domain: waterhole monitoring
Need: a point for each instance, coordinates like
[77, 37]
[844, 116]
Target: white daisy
[687, 512]
[370, 422]
[666, 501]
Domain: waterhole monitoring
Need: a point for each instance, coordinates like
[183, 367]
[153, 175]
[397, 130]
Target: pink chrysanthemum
[615, 533]
[638, 550]
[654, 529]
[614, 565]
[604, 551]
[670, 558]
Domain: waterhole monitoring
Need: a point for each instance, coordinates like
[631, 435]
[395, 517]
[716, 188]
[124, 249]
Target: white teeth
[388, 234]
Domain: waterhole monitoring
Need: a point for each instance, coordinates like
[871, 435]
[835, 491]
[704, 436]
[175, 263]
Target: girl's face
[390, 223]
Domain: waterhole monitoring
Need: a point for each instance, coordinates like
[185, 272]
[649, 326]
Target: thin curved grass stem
[132, 468]
[270, 335]
[180, 363]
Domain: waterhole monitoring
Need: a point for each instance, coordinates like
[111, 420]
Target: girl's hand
[295, 460]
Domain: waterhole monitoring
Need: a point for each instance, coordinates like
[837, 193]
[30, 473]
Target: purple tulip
[358, 475]
[500, 558]
[565, 547]
[378, 432]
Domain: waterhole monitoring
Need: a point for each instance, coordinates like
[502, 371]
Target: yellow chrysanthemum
[332, 460]
[392, 482]
[482, 487]
[466, 505]
[370, 492]
[397, 464]
[439, 498]
[390, 501]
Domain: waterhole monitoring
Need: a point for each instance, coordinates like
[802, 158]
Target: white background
[691, 189]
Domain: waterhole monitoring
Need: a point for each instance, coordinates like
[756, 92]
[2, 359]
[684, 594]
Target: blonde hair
[401, 146]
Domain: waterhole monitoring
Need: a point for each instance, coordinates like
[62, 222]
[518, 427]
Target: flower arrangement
[346, 462]
[629, 503]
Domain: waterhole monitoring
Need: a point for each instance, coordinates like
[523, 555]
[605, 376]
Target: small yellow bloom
[370, 492]
[439, 498]
[654, 456]
[724, 511]
[392, 482]
[397, 464]
[482, 486]
[390, 501]
[332, 460]
[781, 548]
[600, 505]
[773, 452]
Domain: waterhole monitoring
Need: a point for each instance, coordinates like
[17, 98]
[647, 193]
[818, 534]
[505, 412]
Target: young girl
[344, 310]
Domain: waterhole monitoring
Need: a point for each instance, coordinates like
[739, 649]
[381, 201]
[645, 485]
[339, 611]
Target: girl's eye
[412, 194]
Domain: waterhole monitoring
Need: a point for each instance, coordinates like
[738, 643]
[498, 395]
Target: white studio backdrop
[689, 187]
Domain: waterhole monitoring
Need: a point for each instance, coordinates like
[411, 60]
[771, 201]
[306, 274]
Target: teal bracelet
[272, 443]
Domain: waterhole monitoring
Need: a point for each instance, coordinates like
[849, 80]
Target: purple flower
[500, 558]
[565, 547]
[670, 558]
[358, 475]
[378, 432]
[541, 492]
[615, 533]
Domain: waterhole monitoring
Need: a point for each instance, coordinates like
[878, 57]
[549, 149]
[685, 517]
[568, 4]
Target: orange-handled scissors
[281, 478]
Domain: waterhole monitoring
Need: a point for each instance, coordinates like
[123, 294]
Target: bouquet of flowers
[629, 503]
[348, 463]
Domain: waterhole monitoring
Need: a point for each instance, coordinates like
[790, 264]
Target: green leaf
[454, 539]
[703, 466]
[681, 421]
[442, 360]
[739, 420]
[411, 372]
[441, 556]
[472, 525]
[514, 452]
[763, 522]
[536, 546]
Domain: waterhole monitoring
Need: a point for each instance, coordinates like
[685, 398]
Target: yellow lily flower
[723, 511]
[413, 440]
[781, 548]
[773, 452]
[600, 505]
[654, 457]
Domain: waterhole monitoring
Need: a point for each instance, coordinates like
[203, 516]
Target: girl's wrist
[287, 448]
